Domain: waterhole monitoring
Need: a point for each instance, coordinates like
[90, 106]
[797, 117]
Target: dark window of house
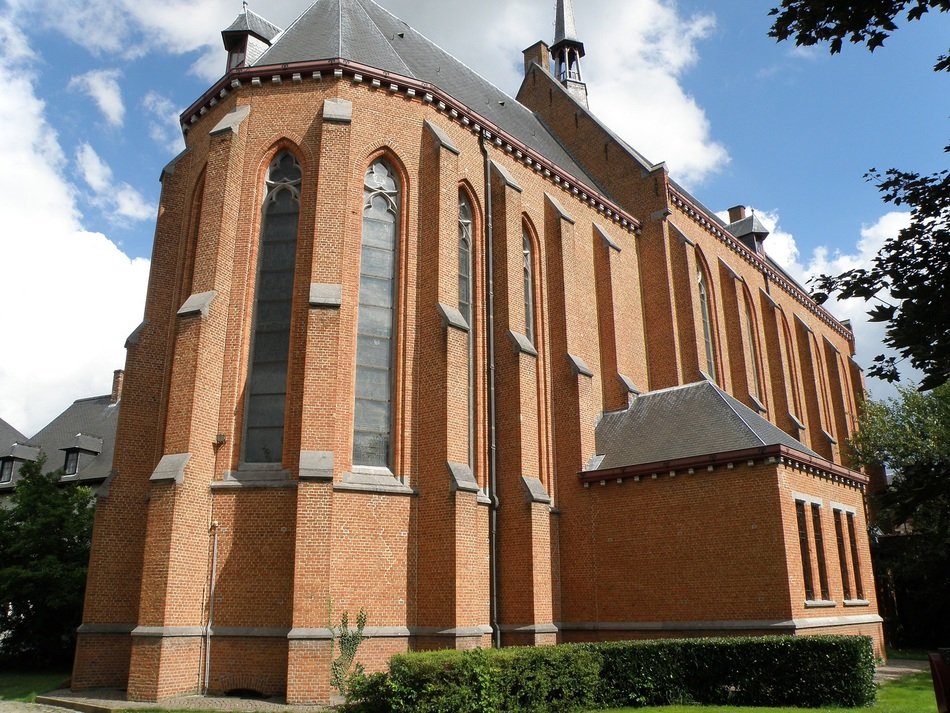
[856, 563]
[842, 555]
[820, 550]
[465, 307]
[267, 377]
[803, 544]
[528, 270]
[372, 417]
[72, 463]
[6, 470]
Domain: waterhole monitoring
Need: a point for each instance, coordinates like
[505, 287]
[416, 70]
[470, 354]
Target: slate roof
[9, 435]
[362, 31]
[88, 424]
[749, 224]
[681, 422]
[251, 22]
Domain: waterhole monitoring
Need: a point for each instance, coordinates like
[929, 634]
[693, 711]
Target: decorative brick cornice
[700, 216]
[777, 454]
[338, 68]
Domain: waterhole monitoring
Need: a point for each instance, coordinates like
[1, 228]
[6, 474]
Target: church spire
[567, 51]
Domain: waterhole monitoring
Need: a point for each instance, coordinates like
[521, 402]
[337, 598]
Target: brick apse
[467, 362]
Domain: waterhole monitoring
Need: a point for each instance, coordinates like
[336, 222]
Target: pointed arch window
[267, 372]
[705, 314]
[465, 307]
[372, 414]
[528, 273]
[755, 383]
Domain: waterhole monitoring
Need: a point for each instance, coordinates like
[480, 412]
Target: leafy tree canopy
[911, 435]
[809, 22]
[45, 534]
[913, 267]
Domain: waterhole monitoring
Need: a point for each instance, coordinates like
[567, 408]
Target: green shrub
[757, 671]
[806, 671]
[515, 680]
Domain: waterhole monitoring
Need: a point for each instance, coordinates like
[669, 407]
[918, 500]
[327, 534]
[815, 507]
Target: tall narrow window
[528, 269]
[820, 550]
[465, 307]
[796, 405]
[755, 384]
[267, 378]
[6, 470]
[842, 555]
[855, 562]
[803, 545]
[707, 323]
[372, 414]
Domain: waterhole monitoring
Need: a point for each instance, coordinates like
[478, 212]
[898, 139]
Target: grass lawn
[914, 694]
[20, 686]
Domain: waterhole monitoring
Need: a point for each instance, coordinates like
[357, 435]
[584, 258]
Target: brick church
[468, 362]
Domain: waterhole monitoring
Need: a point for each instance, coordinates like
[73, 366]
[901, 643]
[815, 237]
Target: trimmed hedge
[522, 679]
[757, 671]
[804, 671]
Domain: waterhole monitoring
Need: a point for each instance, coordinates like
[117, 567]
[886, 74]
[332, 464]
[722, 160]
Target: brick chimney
[736, 213]
[538, 52]
[118, 376]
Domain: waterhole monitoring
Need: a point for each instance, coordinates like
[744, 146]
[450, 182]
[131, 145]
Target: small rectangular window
[806, 555]
[842, 555]
[72, 463]
[6, 471]
[820, 550]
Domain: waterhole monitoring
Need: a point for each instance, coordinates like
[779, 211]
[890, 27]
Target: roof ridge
[452, 56]
[283, 32]
[722, 395]
[359, 3]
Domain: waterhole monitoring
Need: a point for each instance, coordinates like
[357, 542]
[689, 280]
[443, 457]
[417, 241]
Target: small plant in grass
[349, 640]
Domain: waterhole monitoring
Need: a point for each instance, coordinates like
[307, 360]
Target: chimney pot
[118, 376]
[736, 213]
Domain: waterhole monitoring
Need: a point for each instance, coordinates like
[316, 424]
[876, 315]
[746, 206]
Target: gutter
[494, 617]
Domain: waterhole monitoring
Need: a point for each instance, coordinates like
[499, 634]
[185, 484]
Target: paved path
[898, 668]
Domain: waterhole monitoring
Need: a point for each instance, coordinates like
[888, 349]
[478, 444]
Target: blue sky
[89, 116]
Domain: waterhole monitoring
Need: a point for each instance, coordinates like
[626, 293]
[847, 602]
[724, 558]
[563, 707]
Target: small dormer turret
[567, 51]
[247, 38]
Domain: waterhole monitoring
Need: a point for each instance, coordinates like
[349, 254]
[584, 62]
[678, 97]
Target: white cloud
[635, 85]
[120, 201]
[163, 127]
[69, 297]
[782, 247]
[102, 85]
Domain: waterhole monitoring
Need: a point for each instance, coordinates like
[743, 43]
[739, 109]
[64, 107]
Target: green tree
[45, 535]
[911, 436]
[913, 267]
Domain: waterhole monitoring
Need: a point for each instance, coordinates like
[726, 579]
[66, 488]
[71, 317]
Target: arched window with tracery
[372, 413]
[465, 307]
[270, 345]
[528, 275]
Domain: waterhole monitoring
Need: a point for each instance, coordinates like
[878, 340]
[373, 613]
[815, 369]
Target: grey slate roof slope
[681, 422]
[361, 31]
[8, 436]
[94, 418]
[251, 22]
[749, 224]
